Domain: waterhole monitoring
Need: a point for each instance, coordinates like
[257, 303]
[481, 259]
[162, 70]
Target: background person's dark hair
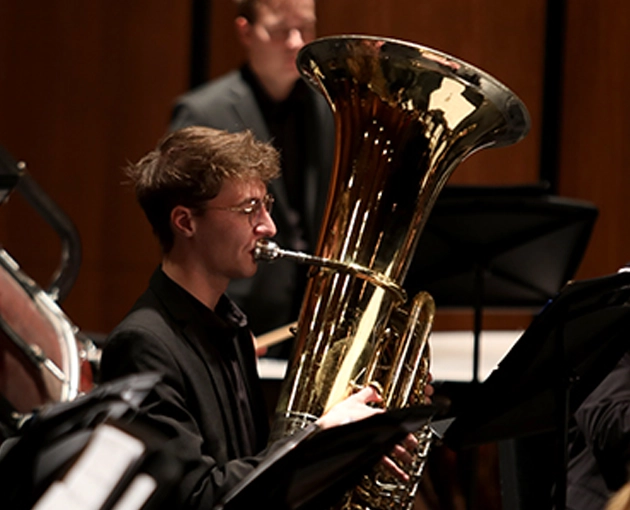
[247, 9]
[188, 168]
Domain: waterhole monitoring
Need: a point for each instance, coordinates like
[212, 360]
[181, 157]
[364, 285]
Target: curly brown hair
[188, 167]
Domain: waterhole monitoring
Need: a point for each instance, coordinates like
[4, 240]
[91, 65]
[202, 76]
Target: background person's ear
[243, 30]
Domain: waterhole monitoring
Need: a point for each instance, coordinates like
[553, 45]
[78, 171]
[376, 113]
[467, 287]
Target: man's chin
[291, 71]
[245, 272]
[251, 271]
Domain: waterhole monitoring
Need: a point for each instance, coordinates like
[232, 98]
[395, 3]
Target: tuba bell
[405, 117]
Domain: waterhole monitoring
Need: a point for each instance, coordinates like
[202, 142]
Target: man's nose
[266, 226]
[295, 39]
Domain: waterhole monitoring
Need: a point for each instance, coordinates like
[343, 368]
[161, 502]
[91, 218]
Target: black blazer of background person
[267, 97]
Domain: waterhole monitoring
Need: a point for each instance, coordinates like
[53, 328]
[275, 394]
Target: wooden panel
[226, 52]
[83, 92]
[595, 130]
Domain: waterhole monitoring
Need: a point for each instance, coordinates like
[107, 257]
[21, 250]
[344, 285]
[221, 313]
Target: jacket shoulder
[216, 94]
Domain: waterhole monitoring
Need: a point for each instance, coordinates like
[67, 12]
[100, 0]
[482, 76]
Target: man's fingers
[367, 395]
[410, 443]
[402, 455]
[394, 469]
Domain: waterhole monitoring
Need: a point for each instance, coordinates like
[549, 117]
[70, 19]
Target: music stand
[313, 469]
[55, 439]
[10, 173]
[501, 247]
[563, 355]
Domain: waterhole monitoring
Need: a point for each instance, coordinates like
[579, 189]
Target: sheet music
[137, 494]
[96, 473]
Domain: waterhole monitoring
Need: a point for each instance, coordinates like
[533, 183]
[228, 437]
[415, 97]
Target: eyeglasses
[252, 209]
[282, 33]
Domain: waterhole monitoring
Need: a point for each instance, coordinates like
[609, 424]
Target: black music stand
[501, 247]
[56, 437]
[314, 469]
[563, 355]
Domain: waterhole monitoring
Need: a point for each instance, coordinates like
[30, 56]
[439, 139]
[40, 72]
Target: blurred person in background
[267, 96]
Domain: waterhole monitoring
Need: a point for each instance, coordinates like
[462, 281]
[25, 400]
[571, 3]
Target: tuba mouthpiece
[266, 249]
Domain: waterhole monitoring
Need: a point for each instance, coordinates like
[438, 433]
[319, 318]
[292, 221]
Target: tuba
[405, 117]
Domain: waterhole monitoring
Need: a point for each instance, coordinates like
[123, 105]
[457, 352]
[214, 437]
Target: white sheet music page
[96, 472]
[137, 494]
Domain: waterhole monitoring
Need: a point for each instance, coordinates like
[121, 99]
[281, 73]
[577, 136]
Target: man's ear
[183, 221]
[243, 30]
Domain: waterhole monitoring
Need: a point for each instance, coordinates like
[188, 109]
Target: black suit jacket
[192, 406]
[229, 103]
[599, 453]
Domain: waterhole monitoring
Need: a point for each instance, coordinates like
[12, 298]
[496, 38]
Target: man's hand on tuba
[353, 408]
[356, 407]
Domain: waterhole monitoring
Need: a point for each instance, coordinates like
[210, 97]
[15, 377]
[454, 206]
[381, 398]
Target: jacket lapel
[194, 332]
[247, 111]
